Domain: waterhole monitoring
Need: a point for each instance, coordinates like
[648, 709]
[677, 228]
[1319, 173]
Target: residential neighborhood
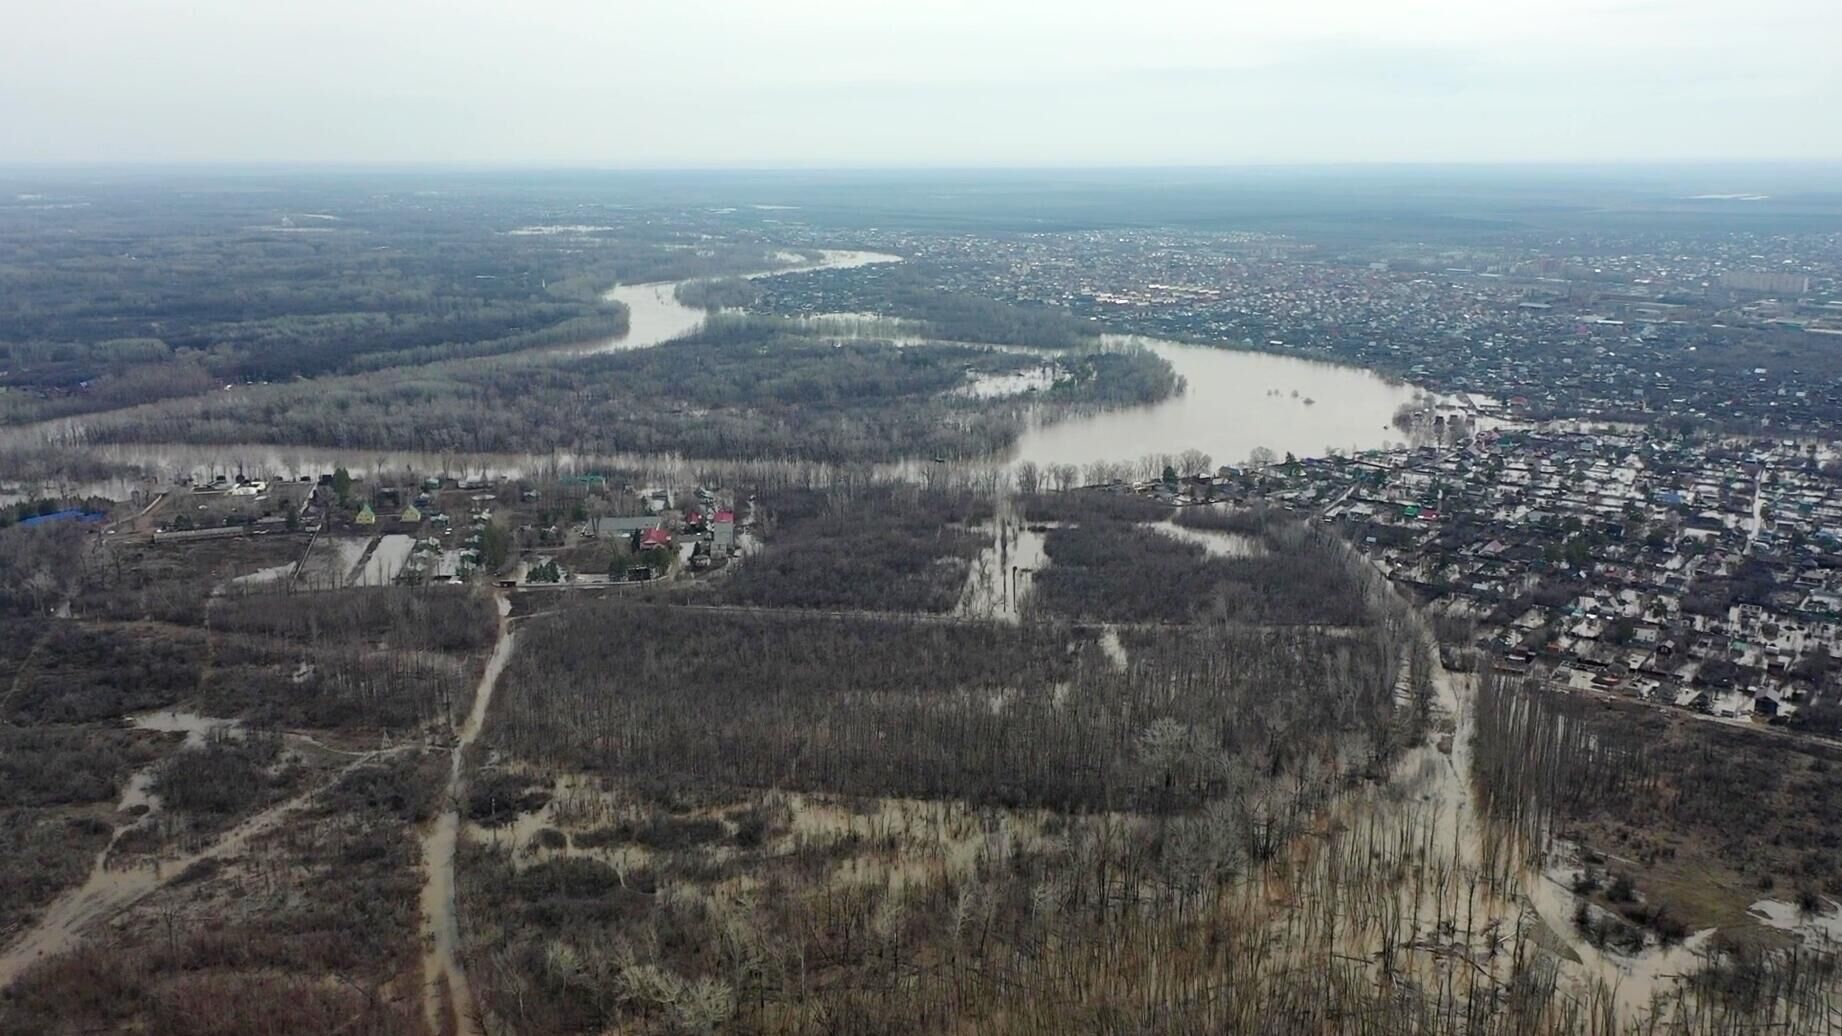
[1700, 574]
[575, 530]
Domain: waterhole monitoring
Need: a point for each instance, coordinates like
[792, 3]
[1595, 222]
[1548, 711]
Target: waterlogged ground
[1218, 542]
[1463, 888]
[1000, 578]
[117, 881]
[1818, 924]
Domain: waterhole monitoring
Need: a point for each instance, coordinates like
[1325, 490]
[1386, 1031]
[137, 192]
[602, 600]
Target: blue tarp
[71, 515]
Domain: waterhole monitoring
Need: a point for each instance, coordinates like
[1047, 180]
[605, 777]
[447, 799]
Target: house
[655, 539]
[411, 516]
[366, 516]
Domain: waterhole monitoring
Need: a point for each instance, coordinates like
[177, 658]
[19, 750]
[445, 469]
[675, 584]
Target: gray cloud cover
[946, 82]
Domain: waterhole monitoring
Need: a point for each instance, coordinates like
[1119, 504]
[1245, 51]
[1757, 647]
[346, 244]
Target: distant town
[1735, 332]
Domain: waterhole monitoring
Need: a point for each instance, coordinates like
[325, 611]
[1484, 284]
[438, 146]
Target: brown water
[1219, 543]
[1227, 411]
[1440, 798]
[1000, 578]
[655, 315]
[1234, 402]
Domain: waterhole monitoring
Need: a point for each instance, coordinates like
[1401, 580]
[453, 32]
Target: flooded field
[333, 561]
[197, 729]
[114, 885]
[1225, 411]
[1217, 542]
[999, 579]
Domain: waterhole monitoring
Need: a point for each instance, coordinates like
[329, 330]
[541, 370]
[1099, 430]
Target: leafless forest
[884, 547]
[209, 798]
[1205, 819]
[1190, 786]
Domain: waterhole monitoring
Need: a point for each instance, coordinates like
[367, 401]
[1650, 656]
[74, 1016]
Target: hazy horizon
[957, 85]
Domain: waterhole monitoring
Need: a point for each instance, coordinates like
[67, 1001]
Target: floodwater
[1000, 578]
[1218, 543]
[1227, 411]
[261, 576]
[1437, 776]
[196, 728]
[1234, 402]
[1822, 927]
[1115, 650]
[1000, 386]
[654, 316]
[333, 561]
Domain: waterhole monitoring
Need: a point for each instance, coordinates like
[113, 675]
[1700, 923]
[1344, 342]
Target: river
[1234, 402]
[655, 315]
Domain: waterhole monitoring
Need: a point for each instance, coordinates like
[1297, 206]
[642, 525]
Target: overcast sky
[918, 82]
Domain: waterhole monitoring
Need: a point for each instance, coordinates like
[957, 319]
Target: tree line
[751, 388]
[131, 299]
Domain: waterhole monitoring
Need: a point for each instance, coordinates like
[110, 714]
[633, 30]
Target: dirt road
[445, 990]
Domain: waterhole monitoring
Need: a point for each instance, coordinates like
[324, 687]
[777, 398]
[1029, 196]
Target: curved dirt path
[448, 1002]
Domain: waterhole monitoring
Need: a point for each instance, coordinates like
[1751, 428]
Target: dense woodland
[912, 291]
[877, 547]
[53, 783]
[744, 388]
[1010, 715]
[1118, 570]
[107, 301]
[949, 814]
